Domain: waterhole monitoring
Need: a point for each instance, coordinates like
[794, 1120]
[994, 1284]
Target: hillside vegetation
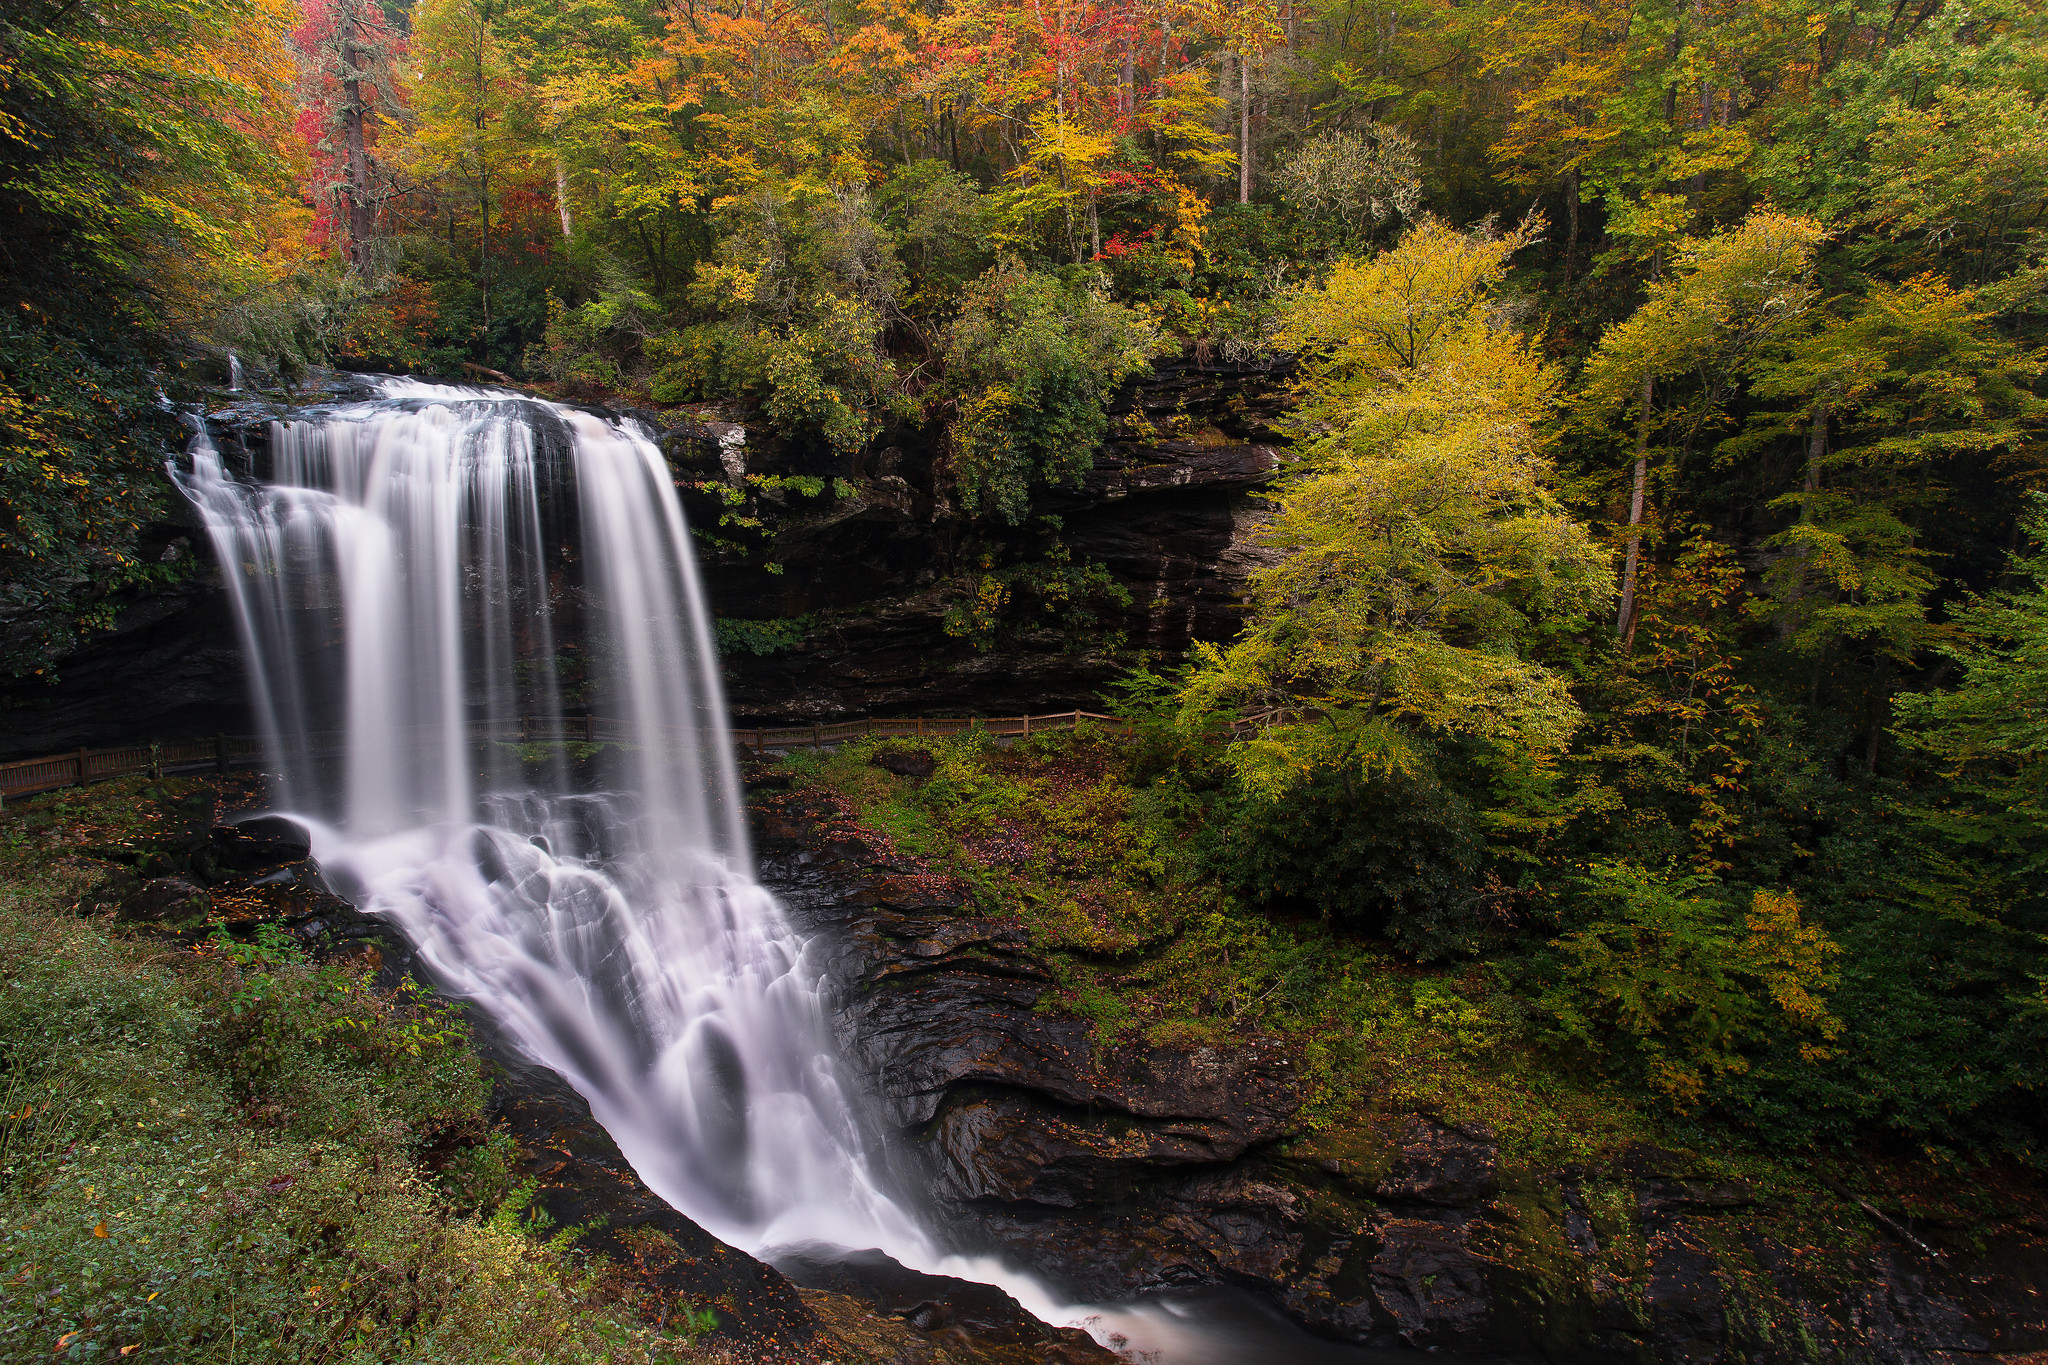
[1651, 637]
[223, 1151]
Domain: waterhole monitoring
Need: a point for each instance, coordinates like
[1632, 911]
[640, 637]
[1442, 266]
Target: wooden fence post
[1027, 727]
[590, 727]
[817, 736]
[156, 762]
[220, 753]
[81, 767]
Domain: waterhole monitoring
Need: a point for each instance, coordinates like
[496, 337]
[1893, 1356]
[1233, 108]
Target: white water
[399, 579]
[402, 577]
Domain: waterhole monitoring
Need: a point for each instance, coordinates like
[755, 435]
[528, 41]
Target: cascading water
[406, 582]
[419, 575]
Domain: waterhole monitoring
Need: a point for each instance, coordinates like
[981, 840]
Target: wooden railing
[26, 776]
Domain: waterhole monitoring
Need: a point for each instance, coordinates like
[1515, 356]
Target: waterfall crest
[416, 574]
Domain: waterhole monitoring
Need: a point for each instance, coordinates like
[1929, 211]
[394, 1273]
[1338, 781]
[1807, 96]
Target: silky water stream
[436, 563]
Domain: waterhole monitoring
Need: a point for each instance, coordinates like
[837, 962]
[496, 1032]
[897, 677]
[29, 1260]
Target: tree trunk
[1816, 450]
[1571, 217]
[1223, 90]
[562, 199]
[1244, 130]
[361, 208]
[1625, 621]
[483, 253]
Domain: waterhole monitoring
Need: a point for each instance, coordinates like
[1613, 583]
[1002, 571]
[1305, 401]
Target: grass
[230, 1153]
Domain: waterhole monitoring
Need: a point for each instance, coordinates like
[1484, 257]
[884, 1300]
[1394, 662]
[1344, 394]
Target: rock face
[1114, 1172]
[582, 1180]
[868, 581]
[1170, 519]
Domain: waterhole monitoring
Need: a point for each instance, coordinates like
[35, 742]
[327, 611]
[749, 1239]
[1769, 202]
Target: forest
[1655, 605]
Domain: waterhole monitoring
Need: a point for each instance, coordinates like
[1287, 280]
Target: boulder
[168, 902]
[258, 844]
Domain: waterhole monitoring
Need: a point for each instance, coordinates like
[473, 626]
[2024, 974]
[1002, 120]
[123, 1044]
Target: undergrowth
[226, 1152]
[1111, 877]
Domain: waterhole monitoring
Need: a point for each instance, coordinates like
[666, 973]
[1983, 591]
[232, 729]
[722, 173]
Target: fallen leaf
[99, 1229]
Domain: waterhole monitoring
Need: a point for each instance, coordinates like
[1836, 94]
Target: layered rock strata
[1117, 1171]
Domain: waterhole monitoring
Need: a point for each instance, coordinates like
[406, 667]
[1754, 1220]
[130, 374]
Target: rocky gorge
[1143, 1168]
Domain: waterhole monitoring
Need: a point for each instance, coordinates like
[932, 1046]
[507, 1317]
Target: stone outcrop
[1113, 1172]
[1166, 511]
[582, 1180]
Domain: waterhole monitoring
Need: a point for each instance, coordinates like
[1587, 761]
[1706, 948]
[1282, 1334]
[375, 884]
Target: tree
[473, 117]
[1355, 183]
[139, 172]
[1655, 969]
[1884, 392]
[348, 88]
[1422, 550]
[1029, 362]
[1728, 295]
[1990, 733]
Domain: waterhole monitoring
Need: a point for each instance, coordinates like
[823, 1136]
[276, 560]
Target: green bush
[1663, 976]
[1393, 855]
[1031, 359]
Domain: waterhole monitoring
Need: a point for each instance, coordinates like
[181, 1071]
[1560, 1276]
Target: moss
[1057, 833]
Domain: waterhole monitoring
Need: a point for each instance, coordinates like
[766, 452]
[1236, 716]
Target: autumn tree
[348, 90]
[141, 173]
[1727, 296]
[1421, 545]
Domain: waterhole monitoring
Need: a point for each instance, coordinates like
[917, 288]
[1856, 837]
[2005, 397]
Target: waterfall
[234, 373]
[415, 575]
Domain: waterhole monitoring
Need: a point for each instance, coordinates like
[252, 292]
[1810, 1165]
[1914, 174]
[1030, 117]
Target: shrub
[1392, 854]
[1659, 974]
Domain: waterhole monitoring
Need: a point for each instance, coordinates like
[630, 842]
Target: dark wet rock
[167, 902]
[258, 844]
[583, 1180]
[1437, 1164]
[1117, 1172]
[1014, 1105]
[959, 1312]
